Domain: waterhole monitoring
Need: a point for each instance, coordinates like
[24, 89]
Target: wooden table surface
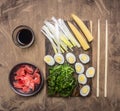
[33, 13]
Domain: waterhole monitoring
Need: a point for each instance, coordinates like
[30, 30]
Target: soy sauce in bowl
[23, 36]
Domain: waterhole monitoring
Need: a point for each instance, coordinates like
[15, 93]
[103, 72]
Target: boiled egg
[82, 79]
[85, 90]
[79, 68]
[84, 58]
[59, 58]
[49, 60]
[70, 57]
[90, 72]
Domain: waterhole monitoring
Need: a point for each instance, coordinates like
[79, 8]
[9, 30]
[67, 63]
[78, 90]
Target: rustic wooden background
[33, 13]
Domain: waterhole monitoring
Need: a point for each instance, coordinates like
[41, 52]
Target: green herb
[61, 80]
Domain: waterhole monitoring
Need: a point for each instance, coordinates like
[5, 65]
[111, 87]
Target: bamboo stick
[98, 58]
[106, 59]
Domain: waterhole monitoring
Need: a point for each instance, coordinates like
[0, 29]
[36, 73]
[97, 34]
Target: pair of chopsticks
[106, 59]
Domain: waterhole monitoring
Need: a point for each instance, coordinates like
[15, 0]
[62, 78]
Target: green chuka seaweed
[61, 80]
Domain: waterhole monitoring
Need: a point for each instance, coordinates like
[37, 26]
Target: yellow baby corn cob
[83, 27]
[80, 38]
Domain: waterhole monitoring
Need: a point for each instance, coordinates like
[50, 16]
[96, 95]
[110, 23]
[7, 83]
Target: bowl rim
[26, 27]
[26, 94]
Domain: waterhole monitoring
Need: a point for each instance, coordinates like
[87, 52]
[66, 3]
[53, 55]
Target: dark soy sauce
[24, 36]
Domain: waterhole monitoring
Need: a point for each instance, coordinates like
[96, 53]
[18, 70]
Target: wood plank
[33, 13]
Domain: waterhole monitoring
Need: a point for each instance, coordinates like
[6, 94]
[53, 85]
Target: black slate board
[76, 51]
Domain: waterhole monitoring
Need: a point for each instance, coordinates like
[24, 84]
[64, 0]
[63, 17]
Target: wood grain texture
[33, 13]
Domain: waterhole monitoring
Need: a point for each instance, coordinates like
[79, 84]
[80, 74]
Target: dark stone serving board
[76, 51]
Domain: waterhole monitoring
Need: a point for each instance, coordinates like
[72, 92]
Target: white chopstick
[106, 59]
[98, 58]
[91, 26]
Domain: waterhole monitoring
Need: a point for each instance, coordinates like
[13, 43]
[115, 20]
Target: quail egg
[84, 58]
[70, 57]
[90, 72]
[49, 60]
[59, 58]
[85, 90]
[79, 68]
[82, 79]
